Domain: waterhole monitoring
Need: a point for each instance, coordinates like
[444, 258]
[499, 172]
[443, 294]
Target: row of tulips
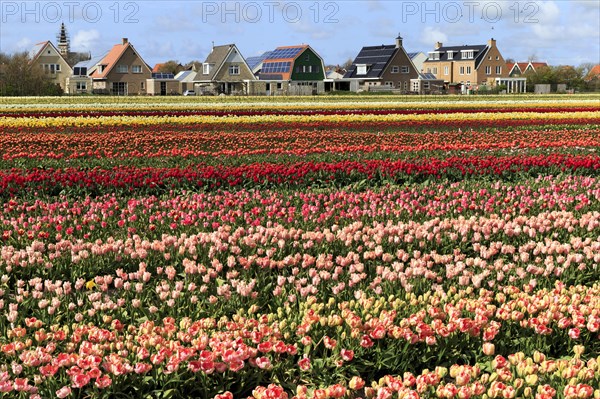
[17, 181]
[296, 142]
[280, 112]
[115, 216]
[592, 116]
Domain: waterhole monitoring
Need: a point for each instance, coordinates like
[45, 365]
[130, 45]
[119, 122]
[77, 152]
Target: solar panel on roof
[285, 52]
[161, 75]
[276, 67]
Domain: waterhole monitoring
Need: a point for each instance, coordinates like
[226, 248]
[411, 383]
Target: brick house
[384, 66]
[470, 65]
[121, 72]
[55, 66]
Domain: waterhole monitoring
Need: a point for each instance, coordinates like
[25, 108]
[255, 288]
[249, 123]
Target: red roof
[537, 65]
[157, 67]
[593, 73]
[110, 60]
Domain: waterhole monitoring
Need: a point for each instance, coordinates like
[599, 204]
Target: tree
[348, 63]
[510, 60]
[18, 77]
[171, 66]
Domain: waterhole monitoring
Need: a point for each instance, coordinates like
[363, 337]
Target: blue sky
[559, 32]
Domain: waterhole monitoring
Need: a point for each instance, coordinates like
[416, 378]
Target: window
[304, 69]
[435, 71]
[136, 69]
[206, 68]
[468, 70]
[497, 58]
[361, 69]
[450, 55]
[81, 86]
[122, 68]
[142, 86]
[51, 68]
[315, 68]
[390, 84]
[297, 69]
[405, 69]
[488, 70]
[57, 67]
[434, 55]
[428, 70]
[445, 70]
[80, 71]
[467, 54]
[462, 70]
[234, 69]
[395, 69]
[426, 85]
[279, 86]
[119, 88]
[405, 85]
[498, 70]
[307, 57]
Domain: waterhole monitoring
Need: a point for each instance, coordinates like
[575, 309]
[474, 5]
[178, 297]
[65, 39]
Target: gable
[375, 58]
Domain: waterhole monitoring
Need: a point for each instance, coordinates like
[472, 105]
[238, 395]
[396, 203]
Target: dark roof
[162, 75]
[375, 57]
[254, 61]
[216, 57]
[413, 55]
[481, 50]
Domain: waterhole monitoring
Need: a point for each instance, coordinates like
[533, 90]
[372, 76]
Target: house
[121, 72]
[225, 71]
[186, 79]
[296, 70]
[162, 84]
[55, 66]
[387, 67]
[470, 65]
[427, 83]
[418, 59]
[521, 68]
[80, 81]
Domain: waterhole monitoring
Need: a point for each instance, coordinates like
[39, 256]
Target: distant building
[49, 58]
[224, 71]
[121, 72]
[521, 68]
[384, 67]
[418, 59]
[470, 65]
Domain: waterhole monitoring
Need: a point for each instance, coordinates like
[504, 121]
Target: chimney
[438, 45]
[492, 42]
[125, 41]
[399, 41]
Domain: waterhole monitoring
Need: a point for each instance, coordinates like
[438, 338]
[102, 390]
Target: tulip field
[293, 248]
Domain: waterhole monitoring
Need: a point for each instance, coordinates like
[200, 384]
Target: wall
[302, 61]
[136, 82]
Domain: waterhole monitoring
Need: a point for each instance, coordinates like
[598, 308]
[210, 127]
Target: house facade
[470, 65]
[121, 72]
[46, 56]
[295, 70]
[386, 67]
[225, 71]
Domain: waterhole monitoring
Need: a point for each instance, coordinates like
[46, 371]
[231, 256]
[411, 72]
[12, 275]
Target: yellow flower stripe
[146, 104]
[593, 116]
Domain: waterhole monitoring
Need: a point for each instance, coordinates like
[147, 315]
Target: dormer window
[434, 55]
[206, 68]
[467, 54]
[450, 55]
[361, 69]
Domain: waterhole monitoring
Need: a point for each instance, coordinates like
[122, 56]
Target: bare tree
[18, 77]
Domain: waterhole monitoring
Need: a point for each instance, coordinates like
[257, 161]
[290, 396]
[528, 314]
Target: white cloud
[430, 36]
[23, 45]
[86, 40]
